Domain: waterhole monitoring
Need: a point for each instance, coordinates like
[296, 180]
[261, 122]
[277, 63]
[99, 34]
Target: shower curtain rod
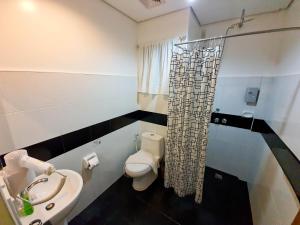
[241, 34]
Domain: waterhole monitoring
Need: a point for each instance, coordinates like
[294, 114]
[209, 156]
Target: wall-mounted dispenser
[251, 96]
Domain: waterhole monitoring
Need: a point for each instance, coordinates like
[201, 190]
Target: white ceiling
[137, 11]
[207, 11]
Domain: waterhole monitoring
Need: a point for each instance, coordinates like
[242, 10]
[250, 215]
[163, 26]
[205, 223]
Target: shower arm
[240, 25]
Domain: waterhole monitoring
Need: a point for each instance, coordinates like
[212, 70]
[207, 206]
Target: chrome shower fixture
[243, 20]
[241, 23]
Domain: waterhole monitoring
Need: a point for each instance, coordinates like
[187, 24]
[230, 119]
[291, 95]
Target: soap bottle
[27, 207]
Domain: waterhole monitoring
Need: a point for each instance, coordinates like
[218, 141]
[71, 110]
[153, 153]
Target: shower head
[241, 23]
[242, 20]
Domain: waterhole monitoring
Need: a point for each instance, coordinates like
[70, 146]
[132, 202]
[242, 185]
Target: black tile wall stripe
[121, 121]
[289, 163]
[77, 138]
[54, 147]
[2, 162]
[47, 149]
[285, 157]
[100, 129]
[261, 126]
[231, 120]
[151, 117]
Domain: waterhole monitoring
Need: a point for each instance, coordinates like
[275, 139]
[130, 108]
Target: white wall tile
[151, 127]
[85, 58]
[30, 127]
[6, 142]
[23, 91]
[282, 108]
[51, 104]
[153, 103]
[230, 94]
[272, 198]
[238, 157]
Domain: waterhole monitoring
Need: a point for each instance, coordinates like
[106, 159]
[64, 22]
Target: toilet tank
[153, 143]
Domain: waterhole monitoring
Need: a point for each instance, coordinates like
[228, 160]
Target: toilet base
[143, 182]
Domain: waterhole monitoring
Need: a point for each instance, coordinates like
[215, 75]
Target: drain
[50, 206]
[218, 176]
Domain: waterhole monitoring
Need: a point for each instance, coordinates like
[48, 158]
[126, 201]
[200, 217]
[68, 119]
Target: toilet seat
[137, 169]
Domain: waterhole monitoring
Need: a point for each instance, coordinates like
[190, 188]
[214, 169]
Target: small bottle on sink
[27, 207]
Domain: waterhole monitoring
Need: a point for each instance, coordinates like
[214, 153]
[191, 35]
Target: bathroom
[75, 94]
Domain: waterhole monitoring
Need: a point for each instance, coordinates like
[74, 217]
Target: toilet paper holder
[90, 161]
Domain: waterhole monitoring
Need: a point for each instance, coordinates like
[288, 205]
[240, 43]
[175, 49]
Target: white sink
[63, 201]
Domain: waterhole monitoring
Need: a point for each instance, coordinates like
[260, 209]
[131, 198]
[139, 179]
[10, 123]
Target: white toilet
[142, 166]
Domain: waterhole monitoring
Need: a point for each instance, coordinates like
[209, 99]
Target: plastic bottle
[27, 207]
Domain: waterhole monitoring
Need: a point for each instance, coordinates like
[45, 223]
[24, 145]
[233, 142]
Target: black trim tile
[162, 119]
[54, 147]
[77, 138]
[261, 126]
[151, 117]
[289, 163]
[122, 121]
[46, 150]
[2, 162]
[232, 120]
[100, 129]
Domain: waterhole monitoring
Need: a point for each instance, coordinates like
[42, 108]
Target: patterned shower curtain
[193, 76]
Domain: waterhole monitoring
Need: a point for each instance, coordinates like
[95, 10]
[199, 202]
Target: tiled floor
[225, 202]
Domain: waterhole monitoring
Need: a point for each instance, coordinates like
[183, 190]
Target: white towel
[142, 157]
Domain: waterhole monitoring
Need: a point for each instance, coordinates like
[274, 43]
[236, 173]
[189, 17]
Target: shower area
[253, 126]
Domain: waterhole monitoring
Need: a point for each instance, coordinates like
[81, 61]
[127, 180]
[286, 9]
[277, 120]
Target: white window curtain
[154, 66]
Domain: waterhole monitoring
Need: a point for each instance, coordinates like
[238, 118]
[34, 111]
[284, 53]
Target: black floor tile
[225, 202]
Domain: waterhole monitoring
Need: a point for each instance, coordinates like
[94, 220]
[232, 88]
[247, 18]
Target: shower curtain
[193, 76]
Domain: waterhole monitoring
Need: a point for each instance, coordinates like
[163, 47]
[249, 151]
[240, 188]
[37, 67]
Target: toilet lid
[137, 167]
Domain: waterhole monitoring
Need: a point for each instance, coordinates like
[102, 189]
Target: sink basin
[57, 208]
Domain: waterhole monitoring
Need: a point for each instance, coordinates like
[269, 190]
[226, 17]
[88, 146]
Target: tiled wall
[273, 201]
[254, 61]
[272, 198]
[40, 106]
[238, 157]
[112, 152]
[230, 94]
[283, 97]
[67, 65]
[281, 109]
